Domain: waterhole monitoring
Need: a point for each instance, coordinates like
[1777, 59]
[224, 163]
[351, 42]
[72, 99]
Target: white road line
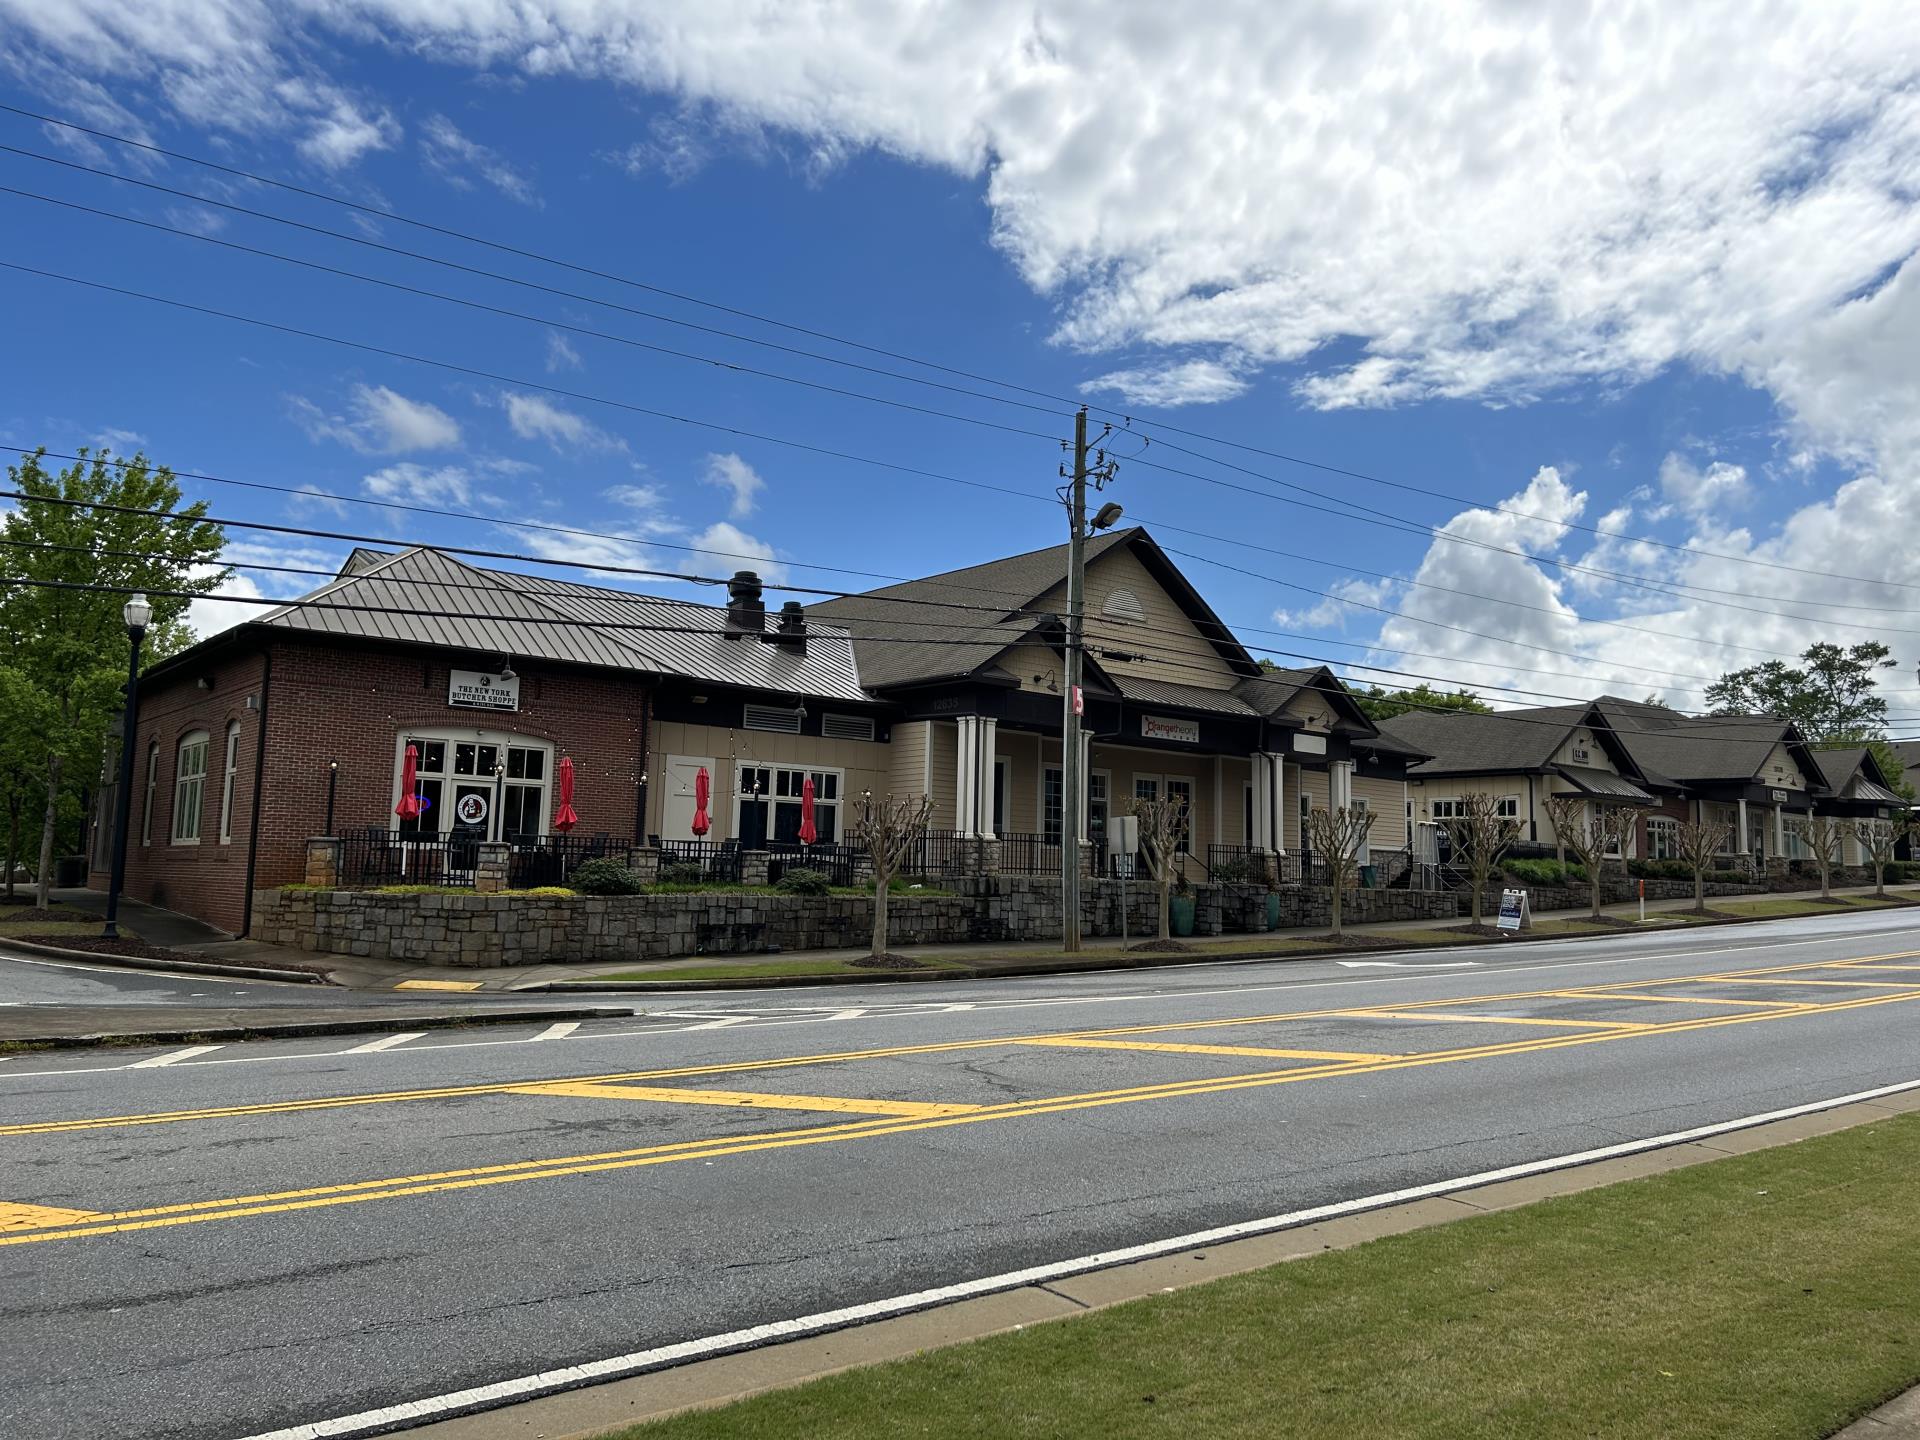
[123, 972]
[847, 1014]
[172, 1057]
[488, 1397]
[385, 1042]
[559, 1030]
[933, 1009]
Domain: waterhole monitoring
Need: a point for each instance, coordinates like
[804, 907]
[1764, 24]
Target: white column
[1277, 775]
[1780, 830]
[1740, 832]
[1262, 789]
[1219, 803]
[1086, 770]
[966, 791]
[1340, 784]
[989, 749]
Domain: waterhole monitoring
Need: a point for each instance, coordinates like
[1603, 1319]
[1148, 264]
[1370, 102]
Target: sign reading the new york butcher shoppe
[478, 690]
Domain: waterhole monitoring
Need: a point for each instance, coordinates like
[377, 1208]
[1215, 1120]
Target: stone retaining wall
[498, 930]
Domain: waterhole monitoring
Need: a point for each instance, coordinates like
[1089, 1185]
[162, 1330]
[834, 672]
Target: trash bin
[70, 872]
[1369, 876]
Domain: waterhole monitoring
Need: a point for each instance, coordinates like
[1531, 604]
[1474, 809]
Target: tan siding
[1313, 707]
[1021, 751]
[1036, 667]
[907, 766]
[1175, 649]
[945, 739]
[1235, 774]
[1388, 800]
[1780, 773]
[864, 763]
[1313, 783]
[1453, 788]
[1582, 741]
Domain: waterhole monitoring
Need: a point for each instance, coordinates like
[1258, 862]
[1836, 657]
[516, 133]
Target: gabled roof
[1854, 769]
[1272, 691]
[1686, 748]
[1182, 697]
[1465, 742]
[984, 609]
[533, 617]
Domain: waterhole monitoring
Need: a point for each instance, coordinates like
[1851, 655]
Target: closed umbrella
[564, 819]
[809, 832]
[409, 806]
[702, 792]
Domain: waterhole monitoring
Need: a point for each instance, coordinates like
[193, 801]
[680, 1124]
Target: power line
[903, 357]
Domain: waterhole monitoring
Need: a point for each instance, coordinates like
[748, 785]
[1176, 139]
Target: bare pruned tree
[1879, 838]
[1588, 832]
[1821, 835]
[1163, 822]
[1699, 844]
[1478, 833]
[1338, 836]
[888, 828]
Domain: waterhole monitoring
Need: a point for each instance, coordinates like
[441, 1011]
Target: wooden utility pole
[1072, 782]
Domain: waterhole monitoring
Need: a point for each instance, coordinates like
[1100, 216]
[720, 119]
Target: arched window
[189, 787]
[153, 774]
[227, 774]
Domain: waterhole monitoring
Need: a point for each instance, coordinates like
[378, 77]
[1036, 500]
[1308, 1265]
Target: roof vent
[791, 633]
[746, 611]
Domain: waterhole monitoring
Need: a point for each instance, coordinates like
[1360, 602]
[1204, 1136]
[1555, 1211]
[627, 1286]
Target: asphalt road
[223, 1243]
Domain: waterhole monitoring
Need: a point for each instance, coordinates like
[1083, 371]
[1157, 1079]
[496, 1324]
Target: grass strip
[1770, 1295]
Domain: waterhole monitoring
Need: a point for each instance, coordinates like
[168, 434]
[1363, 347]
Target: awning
[1605, 785]
[1877, 794]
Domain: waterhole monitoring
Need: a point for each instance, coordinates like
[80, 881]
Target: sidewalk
[164, 927]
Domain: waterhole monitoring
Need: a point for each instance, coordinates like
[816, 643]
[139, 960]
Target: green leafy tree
[65, 657]
[1830, 697]
[1385, 704]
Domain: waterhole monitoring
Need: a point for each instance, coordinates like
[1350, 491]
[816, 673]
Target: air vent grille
[847, 727]
[772, 717]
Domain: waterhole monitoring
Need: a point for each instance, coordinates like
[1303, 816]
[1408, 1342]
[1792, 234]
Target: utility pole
[1070, 777]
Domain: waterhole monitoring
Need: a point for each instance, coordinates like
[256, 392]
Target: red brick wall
[330, 701]
[1671, 807]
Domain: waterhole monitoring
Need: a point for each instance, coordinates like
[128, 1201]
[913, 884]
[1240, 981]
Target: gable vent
[847, 727]
[772, 717]
[1124, 605]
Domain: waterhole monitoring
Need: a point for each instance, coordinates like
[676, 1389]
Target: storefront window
[1052, 805]
[769, 802]
[485, 775]
[189, 784]
[1663, 838]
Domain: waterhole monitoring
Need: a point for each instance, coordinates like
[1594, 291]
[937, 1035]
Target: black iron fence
[843, 865]
[535, 860]
[713, 862]
[391, 857]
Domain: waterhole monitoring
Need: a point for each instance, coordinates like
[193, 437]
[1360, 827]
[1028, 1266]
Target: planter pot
[1180, 915]
[1273, 912]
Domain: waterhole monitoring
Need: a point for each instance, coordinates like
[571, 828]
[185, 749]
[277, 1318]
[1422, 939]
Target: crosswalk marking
[385, 1042]
[172, 1057]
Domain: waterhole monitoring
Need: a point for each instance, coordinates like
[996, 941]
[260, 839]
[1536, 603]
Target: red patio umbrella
[564, 819]
[809, 832]
[409, 806]
[702, 791]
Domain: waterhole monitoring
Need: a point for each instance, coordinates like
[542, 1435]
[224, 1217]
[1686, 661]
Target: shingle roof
[1846, 767]
[1000, 588]
[1665, 742]
[1472, 743]
[534, 617]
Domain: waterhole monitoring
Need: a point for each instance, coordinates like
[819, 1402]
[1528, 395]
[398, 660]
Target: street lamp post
[138, 614]
[333, 780]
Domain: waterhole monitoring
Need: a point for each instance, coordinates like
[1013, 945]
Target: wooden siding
[864, 763]
[1171, 645]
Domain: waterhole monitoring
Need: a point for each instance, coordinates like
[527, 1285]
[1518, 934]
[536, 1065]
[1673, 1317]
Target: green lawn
[1768, 1297]
[1781, 909]
[763, 970]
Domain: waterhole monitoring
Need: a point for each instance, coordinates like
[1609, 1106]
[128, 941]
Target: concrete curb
[1120, 961]
[191, 967]
[588, 1409]
[300, 1029]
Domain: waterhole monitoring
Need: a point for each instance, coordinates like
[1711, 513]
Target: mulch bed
[1489, 931]
[1160, 947]
[42, 913]
[888, 962]
[125, 945]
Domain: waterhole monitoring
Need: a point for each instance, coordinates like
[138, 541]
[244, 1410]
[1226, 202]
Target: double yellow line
[440, 1182]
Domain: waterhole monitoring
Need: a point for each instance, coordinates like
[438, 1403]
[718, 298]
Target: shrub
[1546, 872]
[1728, 877]
[682, 872]
[604, 877]
[1902, 872]
[802, 881]
[1659, 870]
[1233, 872]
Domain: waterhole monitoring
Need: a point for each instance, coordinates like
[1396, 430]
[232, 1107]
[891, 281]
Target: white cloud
[1188, 382]
[228, 605]
[730, 472]
[311, 498]
[120, 441]
[534, 417]
[379, 421]
[455, 157]
[721, 544]
[342, 133]
[561, 354]
[1718, 488]
[1362, 597]
[446, 484]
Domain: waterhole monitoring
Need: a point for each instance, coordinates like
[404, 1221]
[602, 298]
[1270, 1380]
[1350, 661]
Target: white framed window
[189, 787]
[229, 771]
[766, 804]
[1052, 805]
[1663, 838]
[1180, 788]
[508, 773]
[153, 782]
[1508, 808]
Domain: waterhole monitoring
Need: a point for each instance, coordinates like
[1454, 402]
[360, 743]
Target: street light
[138, 614]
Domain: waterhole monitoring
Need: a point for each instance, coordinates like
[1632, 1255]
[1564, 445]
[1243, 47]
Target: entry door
[472, 823]
[676, 802]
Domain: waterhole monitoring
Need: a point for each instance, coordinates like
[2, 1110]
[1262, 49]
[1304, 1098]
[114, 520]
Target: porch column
[1277, 775]
[1780, 830]
[989, 770]
[1262, 788]
[1340, 783]
[1083, 830]
[1740, 829]
[966, 788]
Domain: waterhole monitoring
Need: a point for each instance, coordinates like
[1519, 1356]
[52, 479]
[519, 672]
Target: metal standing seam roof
[1184, 697]
[597, 626]
[1603, 784]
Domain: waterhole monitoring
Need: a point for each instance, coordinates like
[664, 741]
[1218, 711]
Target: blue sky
[1671, 309]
